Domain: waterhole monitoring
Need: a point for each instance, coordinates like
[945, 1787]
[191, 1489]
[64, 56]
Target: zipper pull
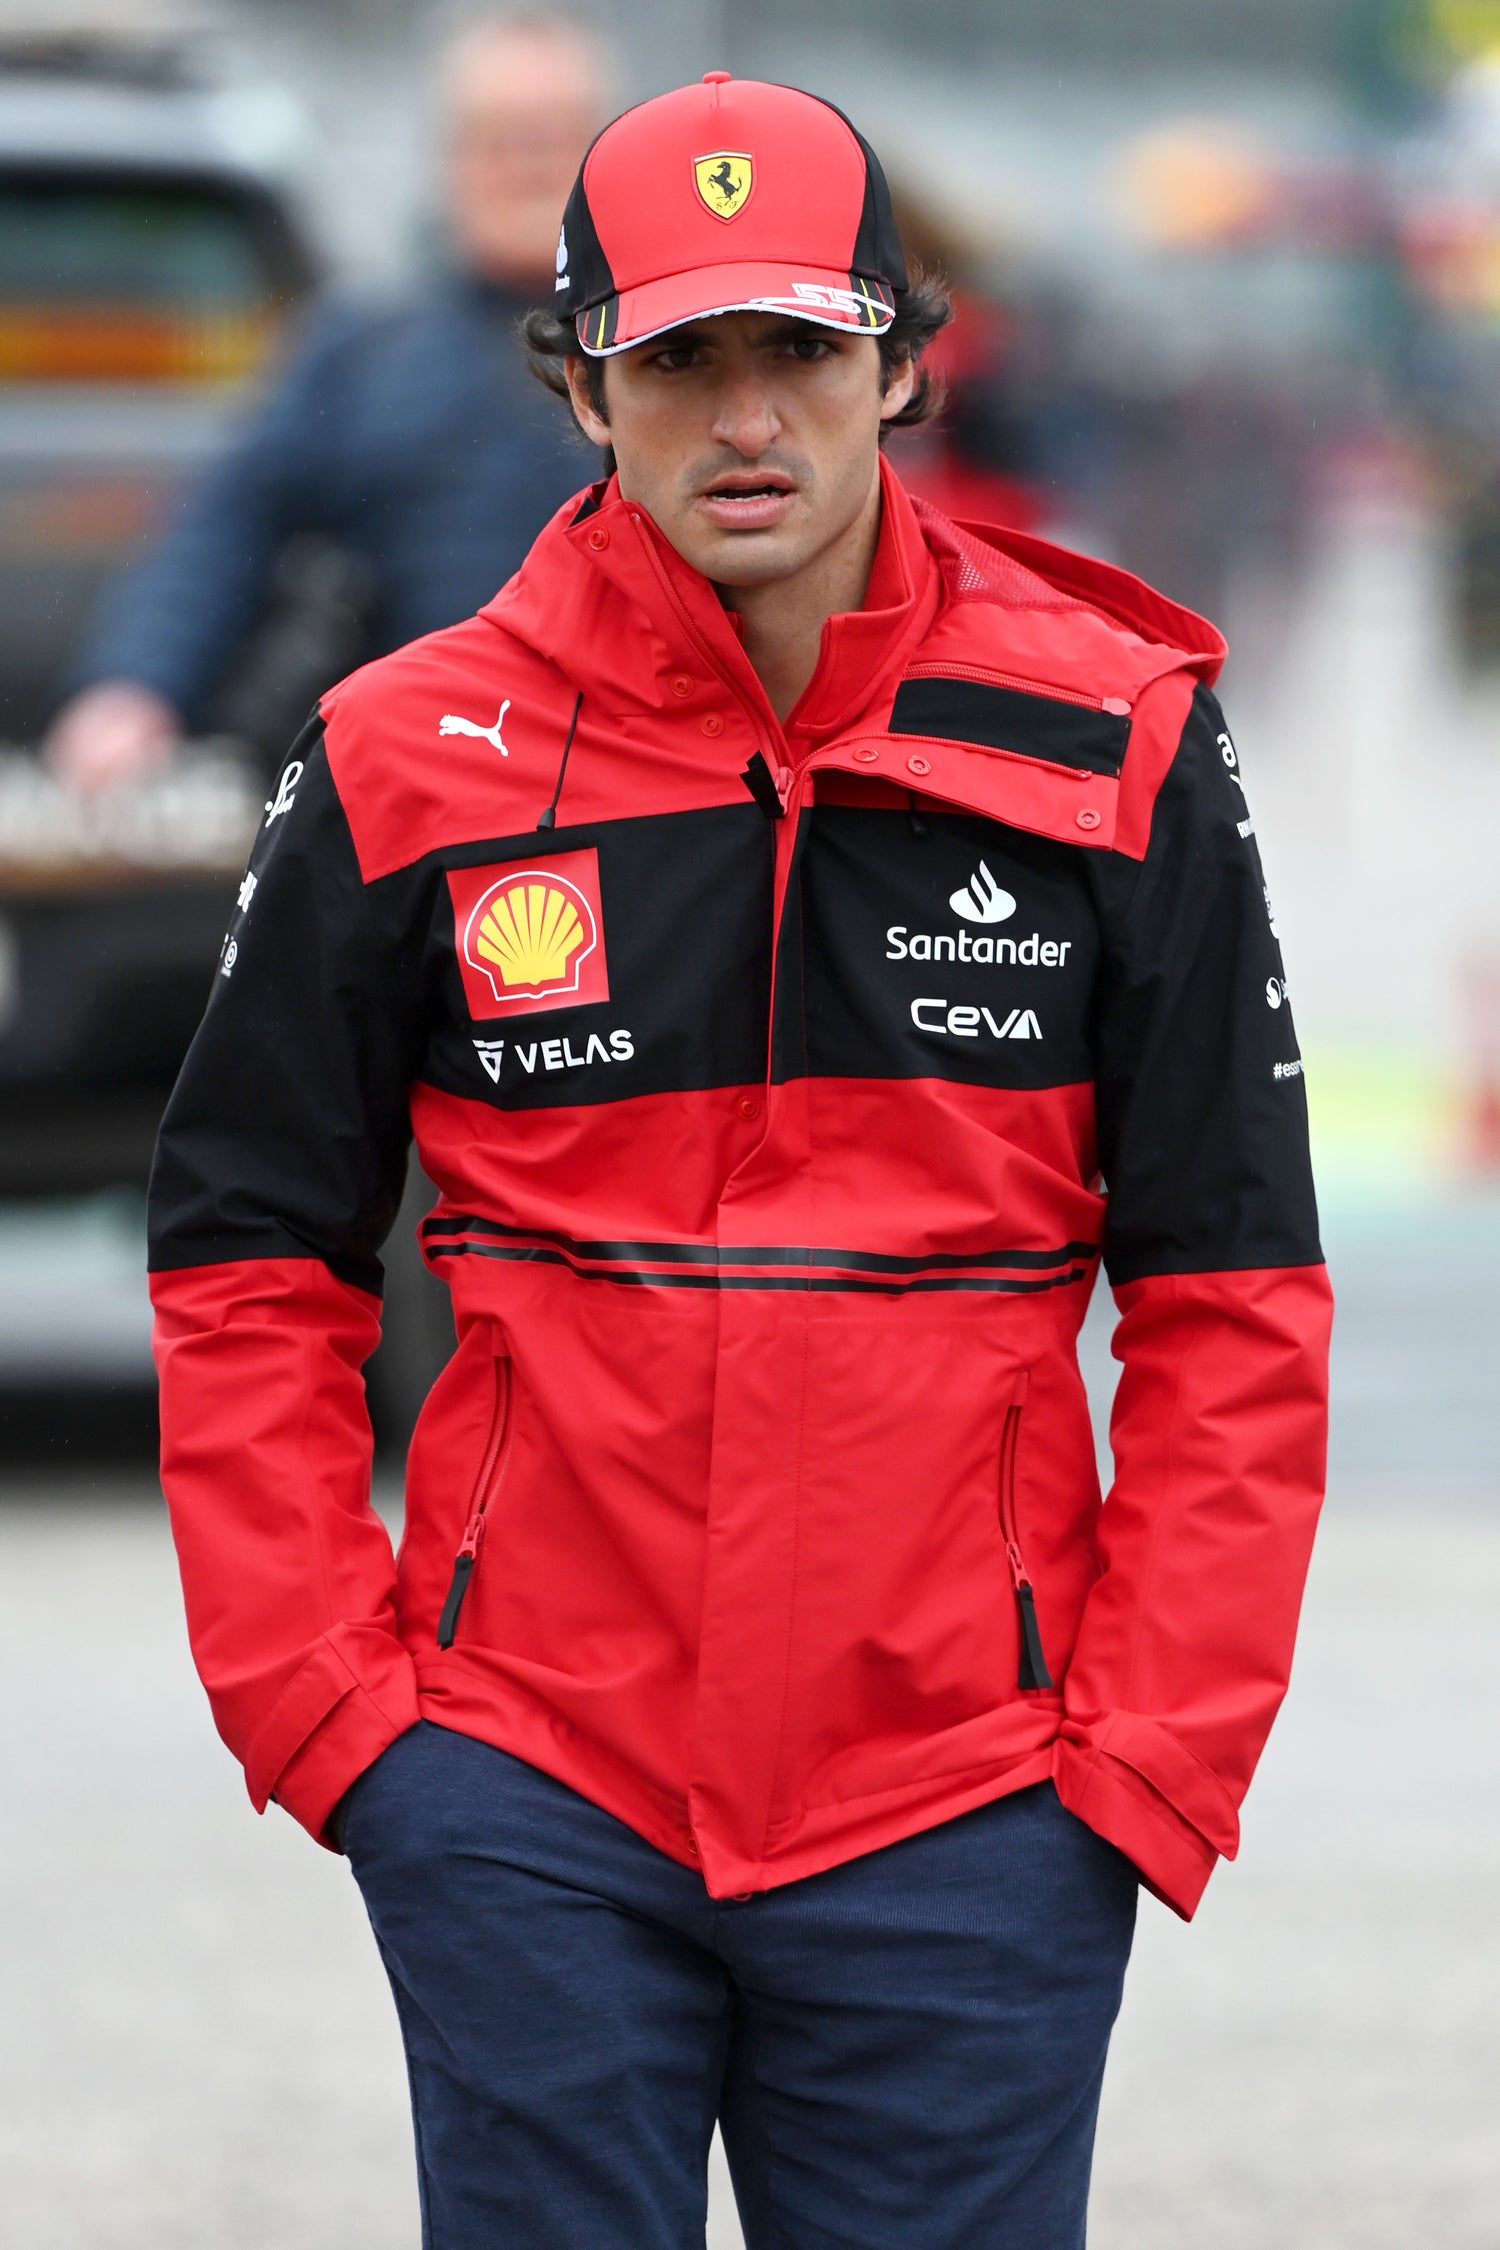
[1033, 1671]
[767, 788]
[463, 1565]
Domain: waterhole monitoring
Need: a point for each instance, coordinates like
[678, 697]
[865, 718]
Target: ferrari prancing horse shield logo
[724, 181]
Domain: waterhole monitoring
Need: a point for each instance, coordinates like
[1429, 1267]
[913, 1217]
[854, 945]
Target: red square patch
[530, 937]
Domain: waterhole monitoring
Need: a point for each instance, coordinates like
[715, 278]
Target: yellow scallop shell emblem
[529, 934]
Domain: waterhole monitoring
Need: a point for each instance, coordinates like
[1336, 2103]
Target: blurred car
[146, 264]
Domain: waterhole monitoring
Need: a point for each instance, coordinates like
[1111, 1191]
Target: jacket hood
[602, 554]
[1072, 578]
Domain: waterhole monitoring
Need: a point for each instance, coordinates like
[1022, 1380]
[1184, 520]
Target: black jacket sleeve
[1202, 1112]
[1219, 1420]
[277, 1177]
[287, 1132]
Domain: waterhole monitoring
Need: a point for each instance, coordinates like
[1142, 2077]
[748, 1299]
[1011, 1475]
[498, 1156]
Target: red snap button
[711, 723]
[919, 765]
[748, 1107]
[682, 683]
[865, 757]
[1088, 818]
[598, 537]
[1116, 706]
[692, 1845]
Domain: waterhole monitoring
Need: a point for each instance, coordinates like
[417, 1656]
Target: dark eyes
[806, 350]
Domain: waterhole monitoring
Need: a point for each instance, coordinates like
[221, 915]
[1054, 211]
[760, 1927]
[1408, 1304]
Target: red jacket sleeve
[1220, 1417]
[277, 1175]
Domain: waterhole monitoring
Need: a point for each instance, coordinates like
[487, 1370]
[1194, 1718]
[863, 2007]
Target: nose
[746, 418]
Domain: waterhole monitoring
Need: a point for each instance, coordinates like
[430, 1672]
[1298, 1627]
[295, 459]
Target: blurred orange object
[1482, 1091]
[101, 343]
[1198, 183]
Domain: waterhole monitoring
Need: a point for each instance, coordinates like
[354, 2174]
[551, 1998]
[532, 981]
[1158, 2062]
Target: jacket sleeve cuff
[1149, 1796]
[329, 1723]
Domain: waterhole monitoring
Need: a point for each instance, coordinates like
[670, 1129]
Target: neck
[783, 620]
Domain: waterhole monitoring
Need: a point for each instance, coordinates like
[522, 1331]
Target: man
[410, 437]
[770, 915]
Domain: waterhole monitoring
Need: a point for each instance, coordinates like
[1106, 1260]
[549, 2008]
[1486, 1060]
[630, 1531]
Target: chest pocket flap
[1039, 760]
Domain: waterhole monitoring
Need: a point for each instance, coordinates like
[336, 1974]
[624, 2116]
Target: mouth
[751, 500]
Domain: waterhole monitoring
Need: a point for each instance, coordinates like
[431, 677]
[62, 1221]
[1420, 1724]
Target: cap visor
[815, 293]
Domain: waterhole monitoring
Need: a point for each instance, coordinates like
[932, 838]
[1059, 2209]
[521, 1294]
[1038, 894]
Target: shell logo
[530, 937]
[528, 931]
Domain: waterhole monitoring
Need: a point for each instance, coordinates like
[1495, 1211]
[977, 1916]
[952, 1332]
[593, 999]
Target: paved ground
[197, 2051]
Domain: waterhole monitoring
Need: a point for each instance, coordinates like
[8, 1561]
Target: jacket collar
[605, 597]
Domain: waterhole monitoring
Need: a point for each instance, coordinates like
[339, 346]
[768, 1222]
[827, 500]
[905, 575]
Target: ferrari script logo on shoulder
[724, 181]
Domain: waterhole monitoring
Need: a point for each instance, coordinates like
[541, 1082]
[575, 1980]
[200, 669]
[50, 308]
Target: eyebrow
[783, 328]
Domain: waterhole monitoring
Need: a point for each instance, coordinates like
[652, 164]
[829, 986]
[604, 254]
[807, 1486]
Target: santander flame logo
[982, 900]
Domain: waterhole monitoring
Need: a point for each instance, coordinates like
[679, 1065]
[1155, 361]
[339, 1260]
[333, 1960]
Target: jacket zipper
[934, 670]
[988, 678]
[1032, 1672]
[786, 774]
[468, 1546]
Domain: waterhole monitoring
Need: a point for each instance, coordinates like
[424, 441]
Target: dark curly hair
[921, 310]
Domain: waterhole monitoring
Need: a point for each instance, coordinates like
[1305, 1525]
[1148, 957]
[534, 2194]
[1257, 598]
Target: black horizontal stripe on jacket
[702, 1265]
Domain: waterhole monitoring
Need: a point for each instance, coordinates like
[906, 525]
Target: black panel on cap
[877, 246]
[589, 278]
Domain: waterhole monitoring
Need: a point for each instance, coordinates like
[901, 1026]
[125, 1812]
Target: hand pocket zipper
[1032, 1671]
[468, 1548]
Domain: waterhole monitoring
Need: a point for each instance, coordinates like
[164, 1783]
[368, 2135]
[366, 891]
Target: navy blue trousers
[905, 2053]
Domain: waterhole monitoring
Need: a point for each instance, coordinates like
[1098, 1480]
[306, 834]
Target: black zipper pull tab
[463, 1567]
[1033, 1672]
[761, 783]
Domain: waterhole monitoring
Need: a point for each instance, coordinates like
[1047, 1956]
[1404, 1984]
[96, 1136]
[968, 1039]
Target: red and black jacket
[784, 1086]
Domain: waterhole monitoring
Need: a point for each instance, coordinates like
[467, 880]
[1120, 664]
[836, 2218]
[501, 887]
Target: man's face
[522, 109]
[751, 440]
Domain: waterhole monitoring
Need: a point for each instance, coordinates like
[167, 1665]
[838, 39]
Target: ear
[899, 389]
[593, 426]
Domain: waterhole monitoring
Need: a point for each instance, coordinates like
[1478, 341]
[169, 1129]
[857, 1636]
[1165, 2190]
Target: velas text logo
[529, 938]
[724, 181]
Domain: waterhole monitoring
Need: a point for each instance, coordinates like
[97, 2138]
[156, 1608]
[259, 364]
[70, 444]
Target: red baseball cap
[730, 196]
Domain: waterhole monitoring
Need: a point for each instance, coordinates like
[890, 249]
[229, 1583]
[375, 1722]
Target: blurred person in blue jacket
[410, 437]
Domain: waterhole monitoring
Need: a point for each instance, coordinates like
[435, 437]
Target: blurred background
[1229, 314]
